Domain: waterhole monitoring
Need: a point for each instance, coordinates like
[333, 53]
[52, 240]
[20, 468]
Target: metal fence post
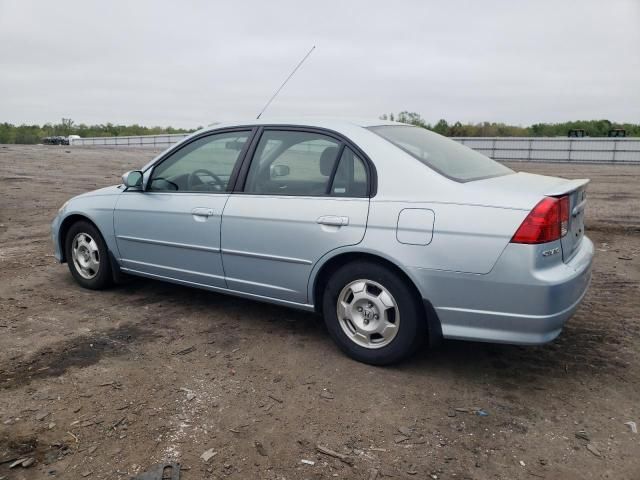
[570, 149]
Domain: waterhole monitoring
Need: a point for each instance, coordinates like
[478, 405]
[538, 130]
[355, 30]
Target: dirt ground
[103, 385]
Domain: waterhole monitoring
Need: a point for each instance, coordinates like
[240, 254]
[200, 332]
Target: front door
[171, 230]
[305, 194]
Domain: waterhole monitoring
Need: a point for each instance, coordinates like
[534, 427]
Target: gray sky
[190, 63]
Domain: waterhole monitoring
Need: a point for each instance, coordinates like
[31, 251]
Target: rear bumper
[525, 299]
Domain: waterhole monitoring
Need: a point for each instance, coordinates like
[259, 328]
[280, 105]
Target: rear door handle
[333, 220]
[202, 212]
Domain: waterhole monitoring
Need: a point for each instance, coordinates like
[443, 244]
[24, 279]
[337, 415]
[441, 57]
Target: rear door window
[351, 176]
[292, 163]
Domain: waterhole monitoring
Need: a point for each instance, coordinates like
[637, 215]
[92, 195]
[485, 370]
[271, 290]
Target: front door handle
[202, 212]
[333, 220]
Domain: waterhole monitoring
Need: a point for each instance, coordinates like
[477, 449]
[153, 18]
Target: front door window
[204, 165]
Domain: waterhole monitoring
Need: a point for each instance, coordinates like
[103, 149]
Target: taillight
[564, 215]
[548, 221]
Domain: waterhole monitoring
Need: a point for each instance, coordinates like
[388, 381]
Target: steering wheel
[217, 181]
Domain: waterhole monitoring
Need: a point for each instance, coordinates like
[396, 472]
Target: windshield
[445, 156]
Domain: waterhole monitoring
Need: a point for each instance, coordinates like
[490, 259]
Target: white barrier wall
[557, 149]
[525, 149]
[131, 141]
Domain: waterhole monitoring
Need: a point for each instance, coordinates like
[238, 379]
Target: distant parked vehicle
[617, 132]
[393, 233]
[69, 140]
[59, 140]
[577, 133]
[50, 141]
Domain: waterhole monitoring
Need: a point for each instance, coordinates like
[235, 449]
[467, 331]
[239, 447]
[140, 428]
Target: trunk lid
[519, 190]
[577, 192]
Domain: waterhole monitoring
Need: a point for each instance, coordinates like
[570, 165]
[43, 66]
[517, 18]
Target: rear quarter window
[445, 156]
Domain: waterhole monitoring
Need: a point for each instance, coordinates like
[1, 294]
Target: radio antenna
[285, 82]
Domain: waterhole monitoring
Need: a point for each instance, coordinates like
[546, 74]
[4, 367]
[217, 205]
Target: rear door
[304, 194]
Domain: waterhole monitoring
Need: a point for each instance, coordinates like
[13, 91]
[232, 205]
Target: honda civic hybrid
[396, 235]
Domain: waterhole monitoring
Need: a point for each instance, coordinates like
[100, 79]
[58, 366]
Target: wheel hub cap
[85, 255]
[368, 314]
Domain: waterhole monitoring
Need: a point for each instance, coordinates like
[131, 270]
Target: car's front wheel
[373, 314]
[87, 256]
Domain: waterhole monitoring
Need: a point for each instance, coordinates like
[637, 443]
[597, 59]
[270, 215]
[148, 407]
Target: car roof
[321, 122]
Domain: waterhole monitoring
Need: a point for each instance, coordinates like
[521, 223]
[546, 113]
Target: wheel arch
[66, 224]
[330, 265]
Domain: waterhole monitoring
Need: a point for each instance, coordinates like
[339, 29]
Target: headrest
[327, 160]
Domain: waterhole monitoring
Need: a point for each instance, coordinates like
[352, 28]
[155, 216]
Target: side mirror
[280, 170]
[132, 179]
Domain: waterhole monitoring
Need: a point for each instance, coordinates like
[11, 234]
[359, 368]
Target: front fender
[97, 207]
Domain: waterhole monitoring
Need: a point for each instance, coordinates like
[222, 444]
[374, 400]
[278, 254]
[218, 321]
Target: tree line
[32, 134]
[592, 128]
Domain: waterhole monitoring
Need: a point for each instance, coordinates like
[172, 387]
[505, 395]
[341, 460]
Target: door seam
[224, 207]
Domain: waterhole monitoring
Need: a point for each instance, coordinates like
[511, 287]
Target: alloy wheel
[86, 255]
[368, 314]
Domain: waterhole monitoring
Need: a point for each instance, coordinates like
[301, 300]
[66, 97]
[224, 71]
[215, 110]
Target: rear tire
[87, 256]
[373, 314]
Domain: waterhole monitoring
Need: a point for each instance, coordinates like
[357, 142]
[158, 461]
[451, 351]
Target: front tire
[87, 256]
[373, 314]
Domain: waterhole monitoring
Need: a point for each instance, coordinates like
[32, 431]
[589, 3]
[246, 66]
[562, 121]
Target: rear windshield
[450, 158]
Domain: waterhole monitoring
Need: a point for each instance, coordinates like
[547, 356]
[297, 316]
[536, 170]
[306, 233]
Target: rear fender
[465, 238]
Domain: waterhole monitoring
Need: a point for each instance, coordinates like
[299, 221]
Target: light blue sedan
[395, 234]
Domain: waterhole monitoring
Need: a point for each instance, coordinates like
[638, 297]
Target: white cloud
[193, 62]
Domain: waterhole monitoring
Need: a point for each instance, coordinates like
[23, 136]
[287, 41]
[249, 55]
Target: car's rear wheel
[373, 314]
[87, 256]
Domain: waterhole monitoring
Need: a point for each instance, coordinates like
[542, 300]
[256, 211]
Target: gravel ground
[102, 385]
